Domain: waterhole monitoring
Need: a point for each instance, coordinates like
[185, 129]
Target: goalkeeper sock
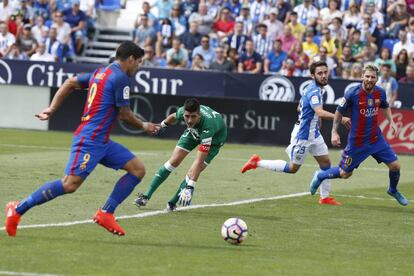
[394, 178]
[325, 185]
[274, 165]
[329, 173]
[123, 188]
[46, 192]
[174, 199]
[159, 178]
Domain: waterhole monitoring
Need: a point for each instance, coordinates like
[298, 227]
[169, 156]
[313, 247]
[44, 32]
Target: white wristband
[164, 124]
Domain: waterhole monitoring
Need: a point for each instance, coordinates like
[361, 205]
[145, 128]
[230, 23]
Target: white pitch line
[24, 273]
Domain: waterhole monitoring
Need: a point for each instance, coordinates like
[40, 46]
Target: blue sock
[329, 173]
[46, 192]
[123, 188]
[287, 168]
[394, 178]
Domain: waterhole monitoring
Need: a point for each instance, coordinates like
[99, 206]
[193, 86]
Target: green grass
[291, 236]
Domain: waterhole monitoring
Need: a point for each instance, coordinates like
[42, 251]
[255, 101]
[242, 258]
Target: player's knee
[345, 175]
[138, 171]
[395, 166]
[70, 185]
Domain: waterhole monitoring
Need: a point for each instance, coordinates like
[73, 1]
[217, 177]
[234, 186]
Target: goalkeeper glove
[185, 196]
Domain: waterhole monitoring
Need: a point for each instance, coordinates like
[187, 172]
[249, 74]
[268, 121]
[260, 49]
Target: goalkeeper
[205, 129]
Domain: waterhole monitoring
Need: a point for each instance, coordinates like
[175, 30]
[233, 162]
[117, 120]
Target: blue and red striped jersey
[364, 109]
[108, 89]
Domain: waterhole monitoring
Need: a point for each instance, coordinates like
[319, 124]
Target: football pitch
[289, 232]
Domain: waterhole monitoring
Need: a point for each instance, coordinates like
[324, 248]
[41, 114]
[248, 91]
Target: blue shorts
[85, 156]
[352, 157]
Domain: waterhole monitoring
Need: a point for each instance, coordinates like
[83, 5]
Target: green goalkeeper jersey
[210, 130]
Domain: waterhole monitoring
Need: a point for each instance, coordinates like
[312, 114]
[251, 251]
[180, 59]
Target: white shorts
[298, 149]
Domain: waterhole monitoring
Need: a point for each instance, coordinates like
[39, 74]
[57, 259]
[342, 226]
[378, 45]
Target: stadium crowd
[252, 36]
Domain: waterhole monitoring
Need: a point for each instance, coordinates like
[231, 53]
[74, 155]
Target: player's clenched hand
[185, 196]
[163, 127]
[394, 127]
[335, 139]
[45, 114]
[346, 122]
[150, 128]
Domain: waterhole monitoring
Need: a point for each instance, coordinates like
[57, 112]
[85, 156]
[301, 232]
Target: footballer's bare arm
[125, 114]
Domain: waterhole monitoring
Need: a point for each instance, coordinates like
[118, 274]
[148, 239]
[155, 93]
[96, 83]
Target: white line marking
[24, 273]
[219, 157]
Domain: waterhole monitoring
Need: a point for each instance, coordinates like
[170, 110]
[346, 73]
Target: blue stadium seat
[317, 39]
[109, 5]
[389, 43]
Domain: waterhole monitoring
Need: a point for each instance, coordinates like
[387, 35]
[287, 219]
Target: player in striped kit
[306, 137]
[108, 98]
[365, 138]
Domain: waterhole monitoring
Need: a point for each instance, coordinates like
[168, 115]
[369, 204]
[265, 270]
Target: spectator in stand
[221, 63]
[77, 21]
[274, 60]
[15, 53]
[205, 50]
[319, 4]
[367, 29]
[15, 24]
[368, 55]
[41, 54]
[152, 19]
[338, 31]
[284, 8]
[224, 26]
[404, 43]
[398, 17]
[27, 42]
[6, 40]
[41, 8]
[301, 59]
[326, 15]
[345, 61]
[164, 8]
[274, 26]
[188, 7]
[191, 38]
[377, 21]
[88, 7]
[409, 75]
[410, 6]
[288, 40]
[40, 31]
[60, 5]
[289, 69]
[310, 48]
[246, 20]
[149, 59]
[385, 58]
[5, 11]
[238, 39]
[198, 63]
[352, 17]
[262, 42]
[356, 44]
[164, 37]
[233, 56]
[213, 8]
[178, 21]
[53, 46]
[323, 56]
[410, 29]
[401, 62]
[26, 11]
[356, 71]
[307, 13]
[177, 57]
[63, 34]
[297, 28]
[388, 83]
[250, 61]
[144, 32]
[204, 20]
[258, 10]
[234, 7]
[333, 45]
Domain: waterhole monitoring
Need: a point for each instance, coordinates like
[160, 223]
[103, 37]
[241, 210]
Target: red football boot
[12, 218]
[107, 221]
[251, 164]
[330, 201]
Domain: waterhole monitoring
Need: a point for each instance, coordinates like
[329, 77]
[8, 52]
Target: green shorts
[188, 143]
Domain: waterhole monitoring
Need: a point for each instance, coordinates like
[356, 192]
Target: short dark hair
[127, 49]
[192, 105]
[386, 65]
[316, 65]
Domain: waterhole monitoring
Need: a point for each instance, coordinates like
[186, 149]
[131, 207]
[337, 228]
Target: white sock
[325, 188]
[274, 165]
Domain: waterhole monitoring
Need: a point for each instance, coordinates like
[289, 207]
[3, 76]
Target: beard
[322, 82]
[368, 85]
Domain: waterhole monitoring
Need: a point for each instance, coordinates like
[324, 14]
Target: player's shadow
[221, 215]
[396, 209]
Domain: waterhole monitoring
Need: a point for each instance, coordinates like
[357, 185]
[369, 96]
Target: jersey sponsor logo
[369, 112]
[315, 100]
[5, 73]
[126, 93]
[342, 102]
[327, 93]
[277, 88]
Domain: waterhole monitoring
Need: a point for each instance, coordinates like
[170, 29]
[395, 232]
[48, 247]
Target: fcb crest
[370, 102]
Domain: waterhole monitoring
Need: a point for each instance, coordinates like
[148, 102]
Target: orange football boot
[12, 218]
[330, 201]
[251, 164]
[107, 221]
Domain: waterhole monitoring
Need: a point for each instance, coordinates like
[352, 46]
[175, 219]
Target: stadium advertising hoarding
[187, 83]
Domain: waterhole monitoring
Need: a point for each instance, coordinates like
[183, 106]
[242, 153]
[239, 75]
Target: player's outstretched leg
[15, 210]
[172, 203]
[320, 176]
[273, 165]
[392, 190]
[105, 216]
[251, 164]
[325, 190]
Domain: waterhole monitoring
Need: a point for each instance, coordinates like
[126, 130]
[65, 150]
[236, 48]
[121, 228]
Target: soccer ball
[234, 230]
